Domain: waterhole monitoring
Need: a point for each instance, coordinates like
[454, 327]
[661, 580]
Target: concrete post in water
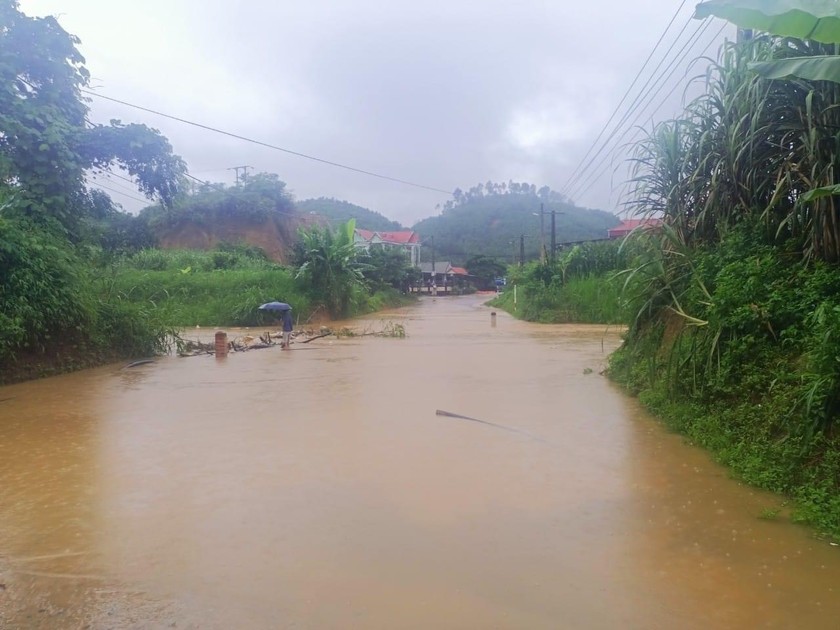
[493, 319]
[221, 344]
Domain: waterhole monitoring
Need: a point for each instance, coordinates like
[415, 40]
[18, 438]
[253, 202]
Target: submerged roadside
[152, 328]
[747, 367]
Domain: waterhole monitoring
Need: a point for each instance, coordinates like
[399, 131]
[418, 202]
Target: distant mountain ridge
[488, 219]
[493, 224]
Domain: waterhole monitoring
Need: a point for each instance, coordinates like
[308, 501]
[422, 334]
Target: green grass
[214, 298]
[593, 299]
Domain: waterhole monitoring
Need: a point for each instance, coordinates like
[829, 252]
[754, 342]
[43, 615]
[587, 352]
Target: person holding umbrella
[287, 320]
[287, 330]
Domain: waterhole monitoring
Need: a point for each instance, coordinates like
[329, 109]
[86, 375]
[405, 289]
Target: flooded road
[317, 488]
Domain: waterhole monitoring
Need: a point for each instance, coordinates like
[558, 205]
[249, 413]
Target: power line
[574, 181]
[641, 106]
[119, 192]
[267, 145]
[118, 176]
[638, 130]
[119, 185]
[593, 175]
[629, 89]
[634, 106]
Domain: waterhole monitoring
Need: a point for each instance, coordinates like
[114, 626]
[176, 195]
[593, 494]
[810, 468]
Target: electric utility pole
[244, 170]
[433, 285]
[521, 249]
[542, 233]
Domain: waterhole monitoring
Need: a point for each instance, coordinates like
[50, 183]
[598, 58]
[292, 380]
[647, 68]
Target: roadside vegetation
[733, 305]
[580, 285]
[225, 286]
[81, 282]
[734, 337]
[52, 312]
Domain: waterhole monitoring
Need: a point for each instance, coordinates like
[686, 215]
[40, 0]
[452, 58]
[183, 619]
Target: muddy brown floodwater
[317, 488]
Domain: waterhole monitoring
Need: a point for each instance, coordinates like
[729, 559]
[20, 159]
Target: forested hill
[337, 211]
[492, 224]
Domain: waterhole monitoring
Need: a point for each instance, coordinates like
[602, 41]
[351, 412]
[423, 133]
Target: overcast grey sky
[442, 93]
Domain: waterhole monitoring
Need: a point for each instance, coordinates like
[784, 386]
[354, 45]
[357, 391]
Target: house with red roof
[628, 225]
[408, 240]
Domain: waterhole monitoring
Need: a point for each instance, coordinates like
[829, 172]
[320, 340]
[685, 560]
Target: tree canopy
[49, 299]
[338, 211]
[259, 197]
[491, 224]
[496, 189]
[47, 142]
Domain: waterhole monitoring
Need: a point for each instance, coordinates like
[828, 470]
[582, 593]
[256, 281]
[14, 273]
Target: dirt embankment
[274, 235]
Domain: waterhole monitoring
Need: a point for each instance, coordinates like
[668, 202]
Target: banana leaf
[819, 193]
[822, 68]
[817, 20]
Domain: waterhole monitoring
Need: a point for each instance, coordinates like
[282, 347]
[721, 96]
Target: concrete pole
[542, 233]
[221, 344]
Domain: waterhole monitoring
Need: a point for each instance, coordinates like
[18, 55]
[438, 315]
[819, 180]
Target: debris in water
[449, 414]
[140, 362]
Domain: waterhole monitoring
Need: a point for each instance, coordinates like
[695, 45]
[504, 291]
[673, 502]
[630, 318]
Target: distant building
[442, 273]
[406, 239]
[446, 278]
[628, 225]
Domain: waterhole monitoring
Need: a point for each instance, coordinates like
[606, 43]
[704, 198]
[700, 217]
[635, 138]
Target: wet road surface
[317, 488]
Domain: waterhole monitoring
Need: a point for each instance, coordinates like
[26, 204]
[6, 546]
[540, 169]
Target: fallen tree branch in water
[191, 348]
[140, 362]
[326, 334]
[449, 414]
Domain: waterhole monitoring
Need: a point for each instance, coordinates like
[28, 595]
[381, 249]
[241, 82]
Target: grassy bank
[194, 288]
[592, 299]
[64, 313]
[580, 285]
[230, 297]
[735, 345]
[54, 315]
[748, 366]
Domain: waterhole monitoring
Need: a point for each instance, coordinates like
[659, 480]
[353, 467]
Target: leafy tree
[46, 142]
[260, 197]
[495, 189]
[331, 267]
[486, 269]
[39, 297]
[118, 232]
[390, 267]
[51, 310]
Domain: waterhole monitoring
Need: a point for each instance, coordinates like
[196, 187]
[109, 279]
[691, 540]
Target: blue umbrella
[275, 306]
